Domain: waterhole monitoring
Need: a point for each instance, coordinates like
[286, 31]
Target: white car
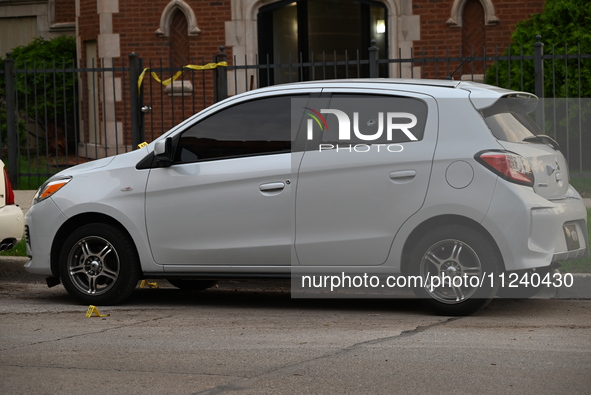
[418, 179]
[11, 216]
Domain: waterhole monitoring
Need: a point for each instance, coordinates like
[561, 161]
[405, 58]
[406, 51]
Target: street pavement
[241, 339]
[254, 338]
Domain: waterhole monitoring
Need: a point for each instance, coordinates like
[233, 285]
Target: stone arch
[241, 33]
[168, 13]
[457, 10]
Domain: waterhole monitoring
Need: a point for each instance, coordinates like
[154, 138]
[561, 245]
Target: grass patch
[38, 170]
[582, 185]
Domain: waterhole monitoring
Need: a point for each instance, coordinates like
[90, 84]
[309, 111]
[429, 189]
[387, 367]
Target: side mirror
[163, 151]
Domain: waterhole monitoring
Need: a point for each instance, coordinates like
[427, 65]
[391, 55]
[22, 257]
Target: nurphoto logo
[345, 124]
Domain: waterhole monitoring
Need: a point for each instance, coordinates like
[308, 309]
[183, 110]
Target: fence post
[137, 133]
[539, 79]
[11, 123]
[374, 53]
[221, 77]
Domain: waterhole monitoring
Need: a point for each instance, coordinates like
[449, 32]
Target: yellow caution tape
[148, 284]
[93, 311]
[142, 145]
[209, 66]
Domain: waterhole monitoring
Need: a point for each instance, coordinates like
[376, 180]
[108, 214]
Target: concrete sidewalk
[24, 199]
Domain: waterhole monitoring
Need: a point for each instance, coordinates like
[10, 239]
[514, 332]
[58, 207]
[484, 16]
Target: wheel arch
[75, 222]
[443, 220]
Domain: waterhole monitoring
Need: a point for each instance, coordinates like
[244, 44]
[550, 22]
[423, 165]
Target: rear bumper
[551, 226]
[12, 225]
[531, 231]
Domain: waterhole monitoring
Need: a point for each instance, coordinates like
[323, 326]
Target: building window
[473, 36]
[319, 31]
[455, 20]
[179, 40]
[170, 11]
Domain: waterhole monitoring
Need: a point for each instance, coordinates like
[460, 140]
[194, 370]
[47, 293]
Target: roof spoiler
[484, 98]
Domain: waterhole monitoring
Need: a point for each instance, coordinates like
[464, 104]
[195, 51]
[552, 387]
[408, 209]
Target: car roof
[481, 95]
[384, 81]
[422, 85]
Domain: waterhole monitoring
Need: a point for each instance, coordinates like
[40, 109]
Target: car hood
[126, 159]
[84, 167]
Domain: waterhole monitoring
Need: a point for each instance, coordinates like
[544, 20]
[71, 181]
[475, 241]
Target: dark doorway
[320, 32]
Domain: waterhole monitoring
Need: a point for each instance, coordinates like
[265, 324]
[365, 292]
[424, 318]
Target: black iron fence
[61, 115]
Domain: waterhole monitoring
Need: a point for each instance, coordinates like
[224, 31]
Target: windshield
[509, 122]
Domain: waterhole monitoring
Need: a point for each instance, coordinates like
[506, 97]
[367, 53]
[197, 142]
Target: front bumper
[41, 224]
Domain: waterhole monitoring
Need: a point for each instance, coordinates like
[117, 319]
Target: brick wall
[136, 24]
[88, 22]
[436, 34]
[64, 11]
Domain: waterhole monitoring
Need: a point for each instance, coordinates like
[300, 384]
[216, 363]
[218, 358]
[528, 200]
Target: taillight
[9, 193]
[512, 167]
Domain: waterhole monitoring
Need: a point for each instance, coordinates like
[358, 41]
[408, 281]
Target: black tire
[522, 292]
[192, 285]
[98, 264]
[450, 252]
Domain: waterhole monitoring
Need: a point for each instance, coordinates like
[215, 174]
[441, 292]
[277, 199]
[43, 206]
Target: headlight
[49, 188]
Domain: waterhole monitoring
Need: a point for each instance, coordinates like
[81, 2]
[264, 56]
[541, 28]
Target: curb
[12, 269]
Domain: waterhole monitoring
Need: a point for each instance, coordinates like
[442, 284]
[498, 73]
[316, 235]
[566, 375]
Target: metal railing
[107, 111]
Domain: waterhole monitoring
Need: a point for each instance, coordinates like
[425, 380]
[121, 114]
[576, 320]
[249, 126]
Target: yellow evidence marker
[148, 284]
[93, 311]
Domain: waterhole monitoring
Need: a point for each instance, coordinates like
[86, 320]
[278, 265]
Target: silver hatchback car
[408, 179]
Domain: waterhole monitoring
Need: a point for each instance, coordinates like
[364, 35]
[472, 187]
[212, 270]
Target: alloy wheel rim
[452, 270]
[93, 265]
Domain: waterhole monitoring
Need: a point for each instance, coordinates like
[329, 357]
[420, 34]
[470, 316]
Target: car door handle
[402, 176]
[272, 187]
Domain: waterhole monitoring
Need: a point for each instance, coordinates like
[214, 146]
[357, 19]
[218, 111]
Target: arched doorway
[319, 31]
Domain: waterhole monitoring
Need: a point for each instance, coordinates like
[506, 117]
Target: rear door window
[368, 114]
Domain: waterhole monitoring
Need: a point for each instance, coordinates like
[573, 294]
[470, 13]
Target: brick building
[179, 32]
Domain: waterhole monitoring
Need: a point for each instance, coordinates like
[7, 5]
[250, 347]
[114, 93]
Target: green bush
[44, 97]
[564, 27]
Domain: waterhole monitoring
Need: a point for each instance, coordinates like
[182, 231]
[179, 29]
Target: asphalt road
[253, 338]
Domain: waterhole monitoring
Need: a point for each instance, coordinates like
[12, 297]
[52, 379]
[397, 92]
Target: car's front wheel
[98, 264]
[459, 267]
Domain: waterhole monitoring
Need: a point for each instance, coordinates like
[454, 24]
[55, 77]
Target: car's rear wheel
[192, 285]
[99, 265]
[459, 267]
[513, 289]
